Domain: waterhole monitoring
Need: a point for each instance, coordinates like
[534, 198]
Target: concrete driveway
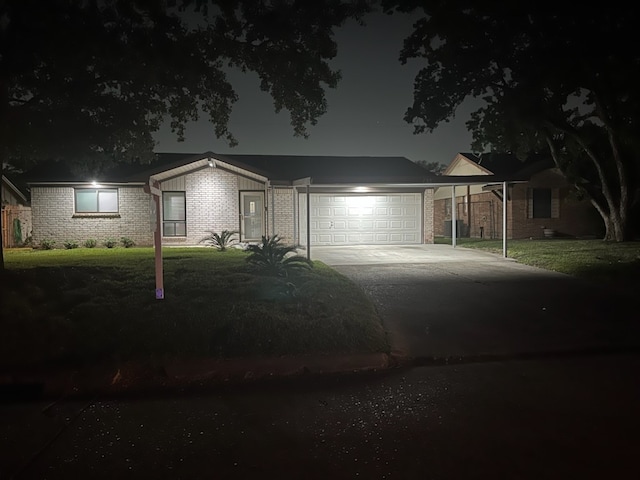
[444, 304]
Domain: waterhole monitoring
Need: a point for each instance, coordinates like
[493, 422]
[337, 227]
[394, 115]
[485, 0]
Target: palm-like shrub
[273, 258]
[219, 240]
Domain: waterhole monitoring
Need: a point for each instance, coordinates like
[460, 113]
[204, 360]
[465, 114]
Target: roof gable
[502, 164]
[465, 164]
[13, 189]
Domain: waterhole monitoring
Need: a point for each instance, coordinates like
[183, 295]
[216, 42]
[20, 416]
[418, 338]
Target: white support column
[266, 217]
[505, 196]
[296, 217]
[454, 220]
[308, 224]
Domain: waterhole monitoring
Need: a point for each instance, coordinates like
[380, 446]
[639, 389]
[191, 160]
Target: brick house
[321, 200]
[544, 205]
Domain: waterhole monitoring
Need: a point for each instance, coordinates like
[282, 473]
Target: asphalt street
[540, 419]
[518, 373]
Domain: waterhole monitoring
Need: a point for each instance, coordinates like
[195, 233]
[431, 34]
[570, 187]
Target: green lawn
[614, 264]
[88, 305]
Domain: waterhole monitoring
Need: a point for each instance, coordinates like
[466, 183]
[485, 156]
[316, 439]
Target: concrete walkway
[447, 304]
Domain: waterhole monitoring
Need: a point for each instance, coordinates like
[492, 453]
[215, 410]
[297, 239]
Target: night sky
[365, 113]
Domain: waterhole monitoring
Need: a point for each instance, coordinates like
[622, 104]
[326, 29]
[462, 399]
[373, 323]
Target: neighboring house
[349, 200]
[16, 214]
[544, 205]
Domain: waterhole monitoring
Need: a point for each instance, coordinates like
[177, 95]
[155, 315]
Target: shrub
[127, 242]
[70, 244]
[273, 258]
[110, 243]
[220, 241]
[90, 243]
[47, 244]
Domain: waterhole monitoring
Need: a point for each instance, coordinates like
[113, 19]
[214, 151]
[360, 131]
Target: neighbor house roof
[12, 186]
[508, 164]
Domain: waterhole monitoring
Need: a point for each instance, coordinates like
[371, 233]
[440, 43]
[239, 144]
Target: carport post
[453, 216]
[504, 219]
[308, 224]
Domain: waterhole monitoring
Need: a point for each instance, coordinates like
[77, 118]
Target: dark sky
[364, 113]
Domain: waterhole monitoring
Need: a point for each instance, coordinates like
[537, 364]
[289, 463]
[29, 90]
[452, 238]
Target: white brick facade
[428, 215]
[212, 202]
[282, 214]
[54, 217]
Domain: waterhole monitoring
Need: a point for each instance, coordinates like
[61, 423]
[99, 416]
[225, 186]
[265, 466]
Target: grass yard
[88, 305]
[615, 264]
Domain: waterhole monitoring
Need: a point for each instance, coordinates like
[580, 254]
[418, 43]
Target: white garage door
[366, 219]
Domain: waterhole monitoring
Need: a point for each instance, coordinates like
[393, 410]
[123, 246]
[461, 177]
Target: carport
[404, 231]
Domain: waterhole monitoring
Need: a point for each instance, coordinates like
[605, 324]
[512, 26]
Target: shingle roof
[275, 167]
[292, 167]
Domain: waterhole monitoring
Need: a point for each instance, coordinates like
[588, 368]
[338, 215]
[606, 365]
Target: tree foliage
[88, 82]
[434, 168]
[92, 80]
[553, 80]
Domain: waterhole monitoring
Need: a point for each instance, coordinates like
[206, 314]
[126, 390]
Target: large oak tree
[90, 81]
[553, 79]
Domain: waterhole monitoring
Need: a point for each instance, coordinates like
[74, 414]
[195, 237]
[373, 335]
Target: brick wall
[483, 217]
[212, 203]
[53, 217]
[282, 214]
[429, 217]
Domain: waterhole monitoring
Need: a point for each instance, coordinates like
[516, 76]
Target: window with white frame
[174, 214]
[96, 200]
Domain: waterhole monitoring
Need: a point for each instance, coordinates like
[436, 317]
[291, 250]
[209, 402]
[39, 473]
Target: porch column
[273, 211]
[296, 217]
[308, 224]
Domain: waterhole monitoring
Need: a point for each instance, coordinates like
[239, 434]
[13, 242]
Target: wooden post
[154, 187]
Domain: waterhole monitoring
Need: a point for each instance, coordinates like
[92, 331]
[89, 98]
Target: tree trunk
[616, 228]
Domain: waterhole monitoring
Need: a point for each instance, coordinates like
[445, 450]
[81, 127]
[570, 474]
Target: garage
[365, 219]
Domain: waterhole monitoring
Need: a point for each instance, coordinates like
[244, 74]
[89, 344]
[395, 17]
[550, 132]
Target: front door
[251, 216]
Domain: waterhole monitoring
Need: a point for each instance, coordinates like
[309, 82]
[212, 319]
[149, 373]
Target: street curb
[140, 378]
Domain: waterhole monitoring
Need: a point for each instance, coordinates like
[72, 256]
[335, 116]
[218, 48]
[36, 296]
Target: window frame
[166, 221]
[97, 191]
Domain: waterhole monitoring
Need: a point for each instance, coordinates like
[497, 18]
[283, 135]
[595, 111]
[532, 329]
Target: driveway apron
[457, 304]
